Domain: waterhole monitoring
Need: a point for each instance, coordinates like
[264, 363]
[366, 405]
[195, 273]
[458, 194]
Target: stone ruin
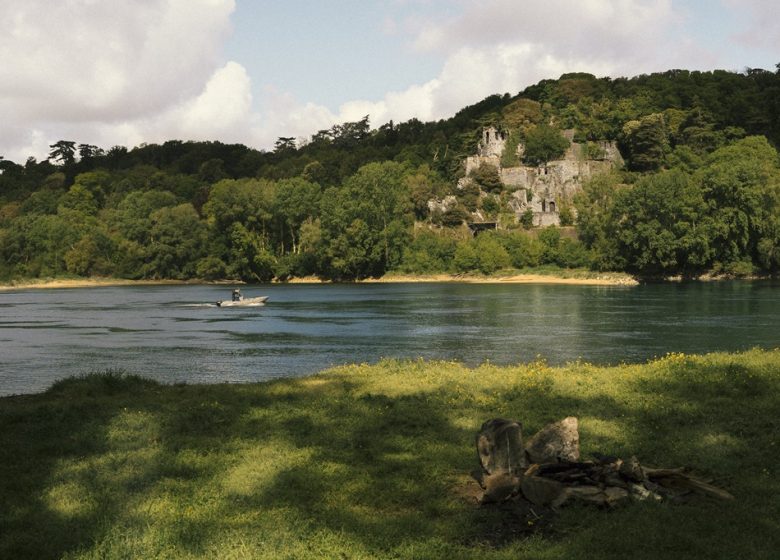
[546, 471]
[542, 189]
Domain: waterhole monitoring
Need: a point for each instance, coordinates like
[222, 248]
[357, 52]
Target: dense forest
[699, 192]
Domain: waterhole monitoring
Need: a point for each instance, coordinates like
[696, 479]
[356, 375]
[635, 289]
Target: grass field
[370, 461]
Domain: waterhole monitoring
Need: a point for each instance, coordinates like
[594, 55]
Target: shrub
[488, 177]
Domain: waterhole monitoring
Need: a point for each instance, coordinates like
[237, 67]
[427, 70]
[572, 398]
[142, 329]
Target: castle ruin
[543, 189]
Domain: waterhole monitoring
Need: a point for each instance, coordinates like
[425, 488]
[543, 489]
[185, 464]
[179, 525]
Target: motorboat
[238, 300]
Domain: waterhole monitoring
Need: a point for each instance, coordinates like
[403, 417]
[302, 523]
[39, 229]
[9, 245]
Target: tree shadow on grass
[717, 416]
[320, 466]
[97, 458]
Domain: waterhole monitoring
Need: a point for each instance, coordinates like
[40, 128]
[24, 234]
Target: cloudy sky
[113, 72]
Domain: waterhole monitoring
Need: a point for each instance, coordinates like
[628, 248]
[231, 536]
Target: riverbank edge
[610, 279]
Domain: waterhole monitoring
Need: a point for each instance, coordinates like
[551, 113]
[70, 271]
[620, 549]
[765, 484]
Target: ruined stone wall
[473, 162]
[492, 143]
[543, 189]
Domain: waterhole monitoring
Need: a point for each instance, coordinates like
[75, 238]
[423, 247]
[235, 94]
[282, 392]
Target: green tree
[132, 218]
[465, 258]
[92, 255]
[366, 223]
[487, 177]
[428, 253]
[646, 142]
[80, 199]
[740, 184]
[661, 227]
[524, 250]
[177, 242]
[595, 206]
[491, 254]
[296, 201]
[63, 151]
[424, 185]
[544, 143]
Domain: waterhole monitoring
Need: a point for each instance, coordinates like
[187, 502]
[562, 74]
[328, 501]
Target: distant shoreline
[530, 278]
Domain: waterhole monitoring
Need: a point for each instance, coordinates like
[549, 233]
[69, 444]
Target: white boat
[239, 300]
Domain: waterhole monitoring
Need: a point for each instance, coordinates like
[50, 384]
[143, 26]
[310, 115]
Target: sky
[113, 72]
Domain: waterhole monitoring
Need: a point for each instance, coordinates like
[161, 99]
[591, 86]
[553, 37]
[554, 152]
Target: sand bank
[596, 280]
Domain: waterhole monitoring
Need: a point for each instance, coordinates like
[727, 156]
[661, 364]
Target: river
[176, 334]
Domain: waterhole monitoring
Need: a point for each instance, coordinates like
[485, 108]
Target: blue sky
[111, 72]
[327, 52]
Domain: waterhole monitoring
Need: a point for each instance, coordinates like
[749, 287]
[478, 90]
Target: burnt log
[500, 447]
[547, 470]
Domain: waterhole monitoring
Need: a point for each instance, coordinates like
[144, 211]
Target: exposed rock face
[444, 205]
[555, 443]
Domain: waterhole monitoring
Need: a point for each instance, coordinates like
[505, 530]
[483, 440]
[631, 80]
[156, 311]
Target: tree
[89, 151]
[522, 112]
[424, 185]
[484, 253]
[177, 242]
[250, 259]
[63, 151]
[487, 177]
[78, 198]
[491, 254]
[523, 249]
[91, 255]
[284, 144]
[740, 184]
[544, 143]
[646, 142]
[296, 201]
[428, 253]
[132, 218]
[661, 227]
[365, 223]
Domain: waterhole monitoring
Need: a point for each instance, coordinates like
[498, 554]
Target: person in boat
[237, 295]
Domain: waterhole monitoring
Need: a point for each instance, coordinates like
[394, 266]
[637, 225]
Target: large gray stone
[555, 442]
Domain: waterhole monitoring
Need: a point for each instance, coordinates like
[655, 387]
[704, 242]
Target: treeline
[720, 214]
[252, 229]
[699, 192]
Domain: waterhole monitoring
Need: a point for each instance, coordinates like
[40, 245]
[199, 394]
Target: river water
[176, 334]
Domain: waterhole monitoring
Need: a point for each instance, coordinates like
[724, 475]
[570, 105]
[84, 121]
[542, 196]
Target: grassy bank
[372, 461]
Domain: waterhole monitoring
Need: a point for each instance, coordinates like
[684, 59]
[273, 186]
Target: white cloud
[221, 111]
[110, 73]
[497, 46]
[763, 24]
[81, 67]
[564, 29]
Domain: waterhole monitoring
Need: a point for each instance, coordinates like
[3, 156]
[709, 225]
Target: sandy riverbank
[615, 280]
[85, 283]
[598, 280]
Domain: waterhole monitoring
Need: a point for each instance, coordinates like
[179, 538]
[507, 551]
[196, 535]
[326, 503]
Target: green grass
[369, 461]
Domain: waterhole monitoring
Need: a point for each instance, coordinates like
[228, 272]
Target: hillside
[692, 187]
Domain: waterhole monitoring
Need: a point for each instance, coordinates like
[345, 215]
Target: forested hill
[699, 192]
